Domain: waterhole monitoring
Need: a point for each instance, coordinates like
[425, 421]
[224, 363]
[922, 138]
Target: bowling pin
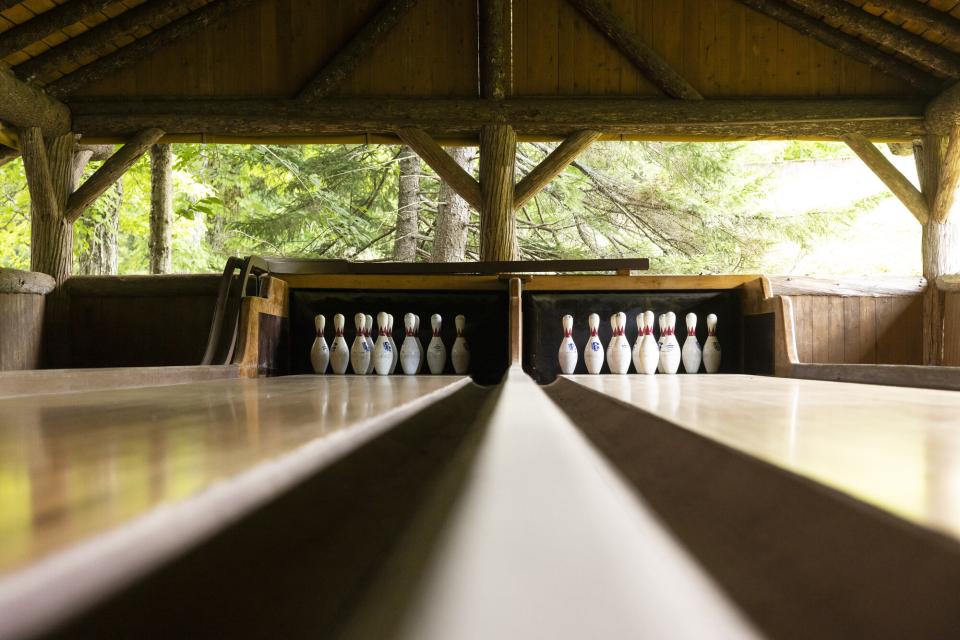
[436, 350]
[711, 348]
[662, 323]
[593, 351]
[613, 336]
[339, 352]
[319, 352]
[367, 330]
[460, 354]
[670, 351]
[393, 344]
[635, 354]
[649, 349]
[618, 358]
[410, 351]
[382, 350]
[416, 332]
[568, 349]
[691, 353]
[360, 352]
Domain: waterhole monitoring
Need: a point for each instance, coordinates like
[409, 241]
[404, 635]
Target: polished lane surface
[77, 464]
[894, 447]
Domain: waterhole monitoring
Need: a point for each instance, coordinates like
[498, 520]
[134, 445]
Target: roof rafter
[647, 61]
[923, 14]
[351, 54]
[879, 31]
[139, 49]
[836, 39]
[36, 29]
[89, 43]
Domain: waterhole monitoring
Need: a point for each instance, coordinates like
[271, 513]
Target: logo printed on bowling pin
[382, 351]
[593, 351]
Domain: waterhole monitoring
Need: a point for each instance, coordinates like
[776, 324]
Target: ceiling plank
[140, 49]
[23, 35]
[924, 15]
[6, 4]
[90, 44]
[643, 57]
[879, 31]
[346, 60]
[848, 45]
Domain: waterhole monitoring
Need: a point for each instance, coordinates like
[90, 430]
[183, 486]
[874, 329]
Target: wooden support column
[941, 245]
[161, 208]
[498, 224]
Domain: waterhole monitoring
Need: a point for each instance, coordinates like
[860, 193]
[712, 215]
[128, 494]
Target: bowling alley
[476, 319]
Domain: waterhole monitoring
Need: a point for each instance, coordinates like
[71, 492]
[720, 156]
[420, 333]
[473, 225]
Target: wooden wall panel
[21, 330]
[951, 329]
[273, 47]
[858, 330]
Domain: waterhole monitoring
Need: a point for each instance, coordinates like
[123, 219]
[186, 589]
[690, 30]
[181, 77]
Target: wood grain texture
[346, 60]
[441, 162]
[498, 223]
[646, 59]
[846, 286]
[32, 31]
[25, 106]
[48, 381]
[21, 330]
[951, 329]
[276, 303]
[901, 187]
[923, 16]
[496, 48]
[949, 178]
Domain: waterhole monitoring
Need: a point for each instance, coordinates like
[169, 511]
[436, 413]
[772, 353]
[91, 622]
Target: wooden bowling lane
[97, 487]
[893, 447]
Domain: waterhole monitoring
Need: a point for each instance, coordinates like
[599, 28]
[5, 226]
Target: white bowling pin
[393, 344]
[360, 351]
[662, 323]
[711, 348]
[410, 351]
[339, 351]
[319, 352]
[618, 358]
[436, 350]
[635, 353]
[613, 335]
[670, 351]
[460, 354]
[367, 330]
[691, 353]
[649, 349]
[382, 350]
[593, 351]
[568, 349]
[416, 332]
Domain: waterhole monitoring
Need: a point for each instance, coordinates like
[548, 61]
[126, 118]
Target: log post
[498, 224]
[161, 208]
[941, 245]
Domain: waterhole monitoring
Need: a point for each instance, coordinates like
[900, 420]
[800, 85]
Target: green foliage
[692, 208]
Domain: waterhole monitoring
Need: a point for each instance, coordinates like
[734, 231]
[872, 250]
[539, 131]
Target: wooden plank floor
[126, 477]
[896, 448]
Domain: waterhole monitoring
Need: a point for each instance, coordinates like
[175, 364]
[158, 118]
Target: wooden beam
[6, 4]
[551, 166]
[496, 49]
[109, 173]
[908, 194]
[22, 106]
[81, 49]
[642, 117]
[36, 29]
[498, 222]
[43, 200]
[879, 31]
[9, 137]
[137, 50]
[441, 162]
[648, 61]
[949, 179]
[352, 53]
[943, 112]
[924, 15]
[849, 45]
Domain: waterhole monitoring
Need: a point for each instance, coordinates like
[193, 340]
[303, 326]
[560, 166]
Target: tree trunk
[161, 208]
[408, 207]
[453, 216]
[51, 240]
[941, 247]
[100, 258]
